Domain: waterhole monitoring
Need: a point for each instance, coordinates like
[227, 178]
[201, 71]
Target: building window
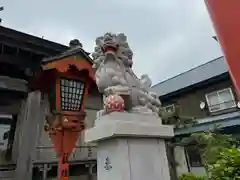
[169, 108]
[194, 157]
[220, 100]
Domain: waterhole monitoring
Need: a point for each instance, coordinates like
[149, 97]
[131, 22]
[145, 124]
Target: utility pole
[1, 9]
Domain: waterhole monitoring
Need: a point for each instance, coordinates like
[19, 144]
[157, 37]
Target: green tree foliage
[220, 156]
[227, 166]
[176, 118]
[190, 176]
[210, 145]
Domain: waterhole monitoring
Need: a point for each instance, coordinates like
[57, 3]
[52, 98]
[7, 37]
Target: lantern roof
[75, 47]
[74, 56]
[74, 61]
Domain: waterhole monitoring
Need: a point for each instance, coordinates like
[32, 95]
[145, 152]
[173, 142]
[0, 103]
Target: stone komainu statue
[114, 75]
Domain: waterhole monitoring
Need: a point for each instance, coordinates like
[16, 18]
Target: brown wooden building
[20, 58]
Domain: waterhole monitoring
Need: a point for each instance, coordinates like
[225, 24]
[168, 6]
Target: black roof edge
[194, 86]
[186, 71]
[32, 39]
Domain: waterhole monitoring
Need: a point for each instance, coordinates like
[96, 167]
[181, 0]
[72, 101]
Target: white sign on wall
[4, 130]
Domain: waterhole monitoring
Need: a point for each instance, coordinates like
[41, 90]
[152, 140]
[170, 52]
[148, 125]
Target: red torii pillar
[225, 15]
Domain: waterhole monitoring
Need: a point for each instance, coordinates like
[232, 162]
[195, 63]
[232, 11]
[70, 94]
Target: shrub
[190, 176]
[221, 157]
[211, 144]
[227, 167]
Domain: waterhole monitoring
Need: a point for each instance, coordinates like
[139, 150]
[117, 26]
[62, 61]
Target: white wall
[180, 158]
[198, 171]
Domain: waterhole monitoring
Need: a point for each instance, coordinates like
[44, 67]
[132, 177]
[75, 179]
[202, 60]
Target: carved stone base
[130, 147]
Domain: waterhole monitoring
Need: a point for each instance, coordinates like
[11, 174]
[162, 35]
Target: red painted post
[225, 15]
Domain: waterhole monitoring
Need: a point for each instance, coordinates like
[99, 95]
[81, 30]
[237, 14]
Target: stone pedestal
[130, 147]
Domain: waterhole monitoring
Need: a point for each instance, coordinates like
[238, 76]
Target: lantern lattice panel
[71, 94]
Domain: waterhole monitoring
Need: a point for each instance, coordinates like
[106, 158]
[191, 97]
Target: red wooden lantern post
[66, 80]
[225, 16]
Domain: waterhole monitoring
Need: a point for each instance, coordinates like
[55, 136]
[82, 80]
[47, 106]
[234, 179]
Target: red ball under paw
[114, 103]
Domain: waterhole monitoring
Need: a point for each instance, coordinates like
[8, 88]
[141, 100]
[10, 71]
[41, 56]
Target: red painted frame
[225, 15]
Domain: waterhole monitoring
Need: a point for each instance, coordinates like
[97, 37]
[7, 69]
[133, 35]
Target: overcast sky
[167, 36]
